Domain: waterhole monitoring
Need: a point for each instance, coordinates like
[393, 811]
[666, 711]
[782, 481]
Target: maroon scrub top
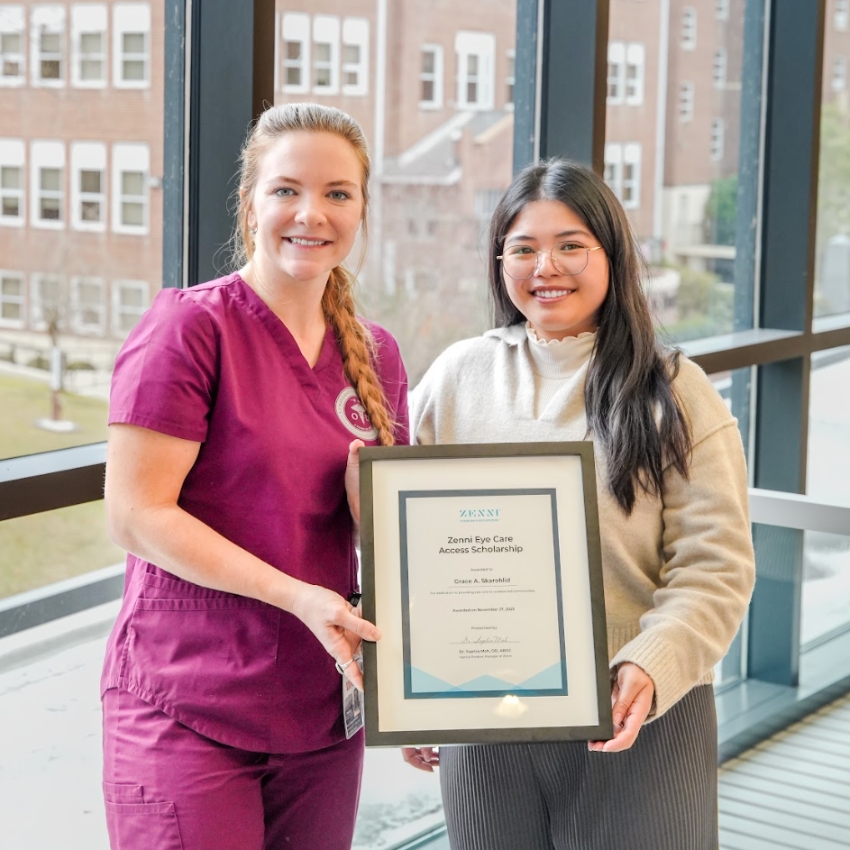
[214, 365]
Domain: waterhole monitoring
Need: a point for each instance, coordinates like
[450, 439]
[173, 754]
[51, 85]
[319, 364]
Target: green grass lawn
[44, 548]
[24, 401]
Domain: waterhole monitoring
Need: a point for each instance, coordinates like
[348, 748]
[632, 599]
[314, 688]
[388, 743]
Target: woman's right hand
[422, 758]
[337, 625]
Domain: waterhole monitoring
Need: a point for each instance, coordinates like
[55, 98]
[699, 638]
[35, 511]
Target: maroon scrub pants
[168, 788]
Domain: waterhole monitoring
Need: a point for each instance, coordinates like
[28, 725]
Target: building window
[614, 167]
[616, 72]
[630, 189]
[718, 130]
[12, 182]
[88, 186]
[842, 13]
[839, 73]
[721, 10]
[686, 102]
[46, 301]
[12, 49]
[130, 167]
[47, 41]
[129, 301]
[325, 54]
[47, 162]
[475, 55]
[634, 74]
[11, 299]
[510, 78]
[718, 73]
[296, 52]
[88, 45]
[131, 45]
[431, 77]
[689, 28]
[88, 305]
[355, 56]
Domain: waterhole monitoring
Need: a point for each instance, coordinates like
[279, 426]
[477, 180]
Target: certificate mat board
[481, 566]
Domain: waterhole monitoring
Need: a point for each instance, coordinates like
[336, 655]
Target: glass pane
[11, 69]
[90, 211]
[11, 286]
[131, 296]
[89, 293]
[10, 177]
[91, 69]
[132, 214]
[428, 60]
[90, 181]
[11, 311]
[322, 52]
[133, 70]
[133, 42]
[828, 468]
[293, 49]
[50, 209]
[293, 76]
[832, 258]
[55, 545]
[322, 77]
[51, 69]
[132, 183]
[91, 42]
[51, 179]
[51, 42]
[10, 42]
[679, 180]
[11, 207]
[351, 54]
[826, 585]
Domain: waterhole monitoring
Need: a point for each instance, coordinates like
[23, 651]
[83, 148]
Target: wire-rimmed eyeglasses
[522, 262]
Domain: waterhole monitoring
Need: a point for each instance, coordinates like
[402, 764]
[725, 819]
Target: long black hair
[632, 410]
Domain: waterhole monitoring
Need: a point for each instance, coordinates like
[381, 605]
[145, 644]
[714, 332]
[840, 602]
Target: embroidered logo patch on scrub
[353, 415]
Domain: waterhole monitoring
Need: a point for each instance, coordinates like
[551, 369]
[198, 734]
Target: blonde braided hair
[356, 342]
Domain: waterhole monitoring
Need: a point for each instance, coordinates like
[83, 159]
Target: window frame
[482, 46]
[131, 19]
[355, 33]
[48, 19]
[47, 154]
[295, 28]
[21, 299]
[125, 156]
[13, 22]
[76, 307]
[13, 155]
[88, 156]
[89, 19]
[435, 77]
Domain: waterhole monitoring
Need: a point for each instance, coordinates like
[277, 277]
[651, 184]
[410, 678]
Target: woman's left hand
[352, 480]
[631, 702]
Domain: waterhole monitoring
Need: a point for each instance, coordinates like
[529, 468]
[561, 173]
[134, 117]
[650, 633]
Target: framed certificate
[481, 566]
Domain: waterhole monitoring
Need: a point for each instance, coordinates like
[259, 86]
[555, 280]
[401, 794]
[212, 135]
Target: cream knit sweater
[678, 572]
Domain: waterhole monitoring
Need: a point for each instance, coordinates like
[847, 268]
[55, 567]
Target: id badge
[352, 705]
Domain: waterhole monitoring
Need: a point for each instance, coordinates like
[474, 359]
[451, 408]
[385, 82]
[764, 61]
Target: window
[296, 52]
[634, 74]
[12, 51]
[475, 54]
[718, 72]
[689, 28]
[88, 186]
[839, 73]
[130, 166]
[622, 172]
[686, 102]
[11, 299]
[48, 184]
[47, 44]
[355, 56]
[510, 78]
[842, 13]
[718, 130]
[129, 301]
[325, 54]
[131, 24]
[88, 305]
[630, 189]
[12, 182]
[46, 301]
[88, 46]
[616, 71]
[721, 10]
[431, 77]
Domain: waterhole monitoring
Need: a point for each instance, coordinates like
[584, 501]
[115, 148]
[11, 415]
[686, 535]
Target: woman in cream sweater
[573, 356]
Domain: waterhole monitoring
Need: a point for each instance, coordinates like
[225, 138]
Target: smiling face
[557, 305]
[306, 206]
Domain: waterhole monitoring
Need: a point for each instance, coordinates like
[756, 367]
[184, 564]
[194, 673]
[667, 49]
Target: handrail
[794, 510]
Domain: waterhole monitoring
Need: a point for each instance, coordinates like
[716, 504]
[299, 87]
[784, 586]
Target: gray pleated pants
[659, 795]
